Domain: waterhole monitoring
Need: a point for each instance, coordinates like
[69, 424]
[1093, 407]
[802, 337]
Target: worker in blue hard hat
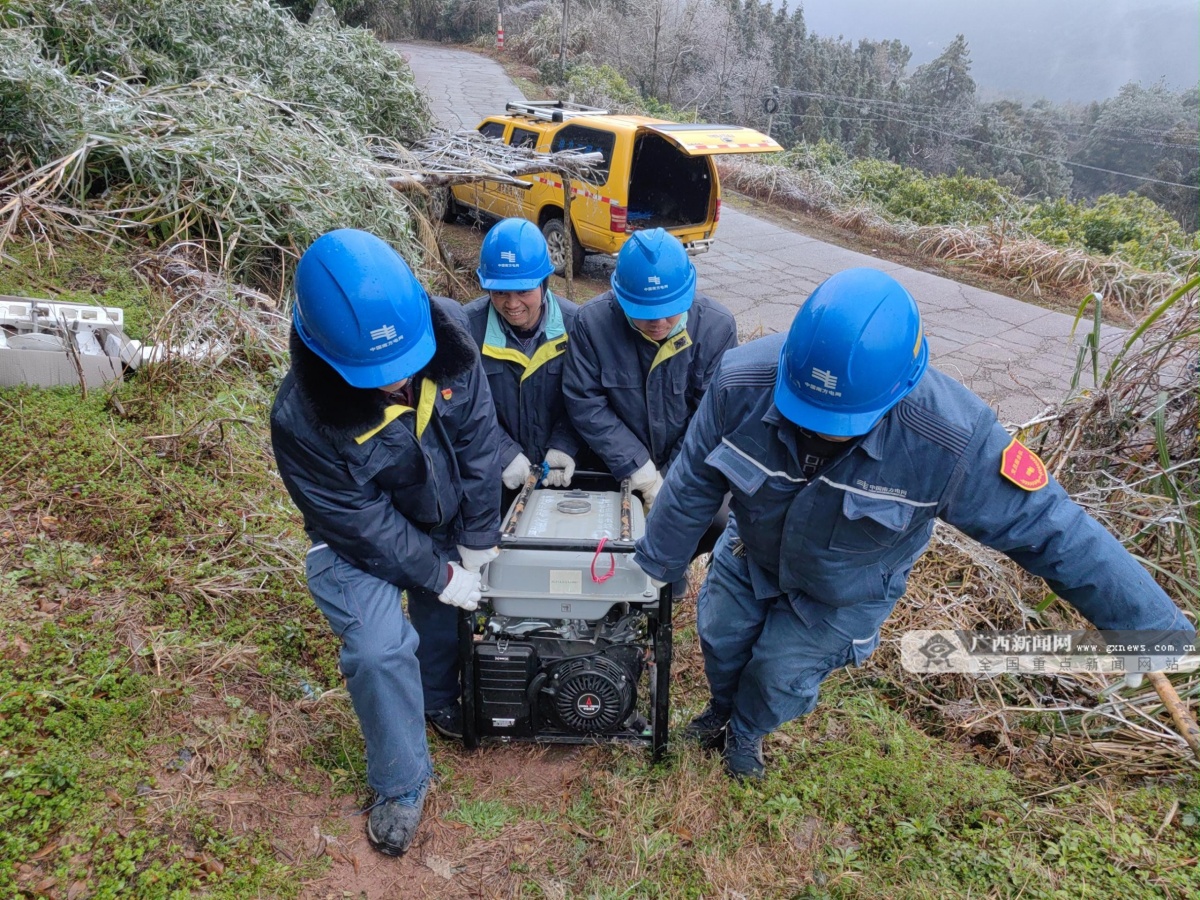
[385, 438]
[641, 359]
[522, 330]
[841, 447]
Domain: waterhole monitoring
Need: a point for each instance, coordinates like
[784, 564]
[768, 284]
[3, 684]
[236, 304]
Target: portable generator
[573, 642]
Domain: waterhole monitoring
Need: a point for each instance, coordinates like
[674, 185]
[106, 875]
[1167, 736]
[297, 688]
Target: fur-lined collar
[340, 406]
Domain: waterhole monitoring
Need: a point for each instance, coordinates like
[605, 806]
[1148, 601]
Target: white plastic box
[34, 349]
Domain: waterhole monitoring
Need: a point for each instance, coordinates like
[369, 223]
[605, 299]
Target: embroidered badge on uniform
[1022, 467]
[447, 393]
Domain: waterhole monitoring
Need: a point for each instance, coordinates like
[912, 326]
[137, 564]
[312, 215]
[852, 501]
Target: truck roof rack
[552, 110]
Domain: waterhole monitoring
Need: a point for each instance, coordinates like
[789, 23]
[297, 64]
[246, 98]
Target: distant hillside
[1064, 50]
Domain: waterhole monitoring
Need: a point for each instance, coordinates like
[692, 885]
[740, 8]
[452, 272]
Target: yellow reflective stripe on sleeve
[429, 392]
[544, 354]
[390, 414]
[506, 354]
[670, 347]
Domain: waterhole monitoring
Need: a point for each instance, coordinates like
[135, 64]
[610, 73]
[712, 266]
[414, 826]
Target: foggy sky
[1063, 50]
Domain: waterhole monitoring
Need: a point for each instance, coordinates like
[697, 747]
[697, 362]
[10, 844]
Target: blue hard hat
[514, 257]
[360, 308]
[654, 279]
[855, 349]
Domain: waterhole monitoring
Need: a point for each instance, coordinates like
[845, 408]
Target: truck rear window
[587, 140]
[523, 137]
[493, 130]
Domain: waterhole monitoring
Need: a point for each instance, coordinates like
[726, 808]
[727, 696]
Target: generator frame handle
[531, 483]
[571, 545]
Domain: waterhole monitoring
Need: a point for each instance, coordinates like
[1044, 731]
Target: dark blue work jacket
[527, 390]
[631, 398]
[392, 489]
[853, 532]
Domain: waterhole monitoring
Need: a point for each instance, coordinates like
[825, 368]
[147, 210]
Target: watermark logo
[937, 652]
[1047, 652]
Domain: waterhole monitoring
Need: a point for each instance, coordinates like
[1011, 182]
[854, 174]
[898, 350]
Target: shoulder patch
[933, 427]
[1022, 467]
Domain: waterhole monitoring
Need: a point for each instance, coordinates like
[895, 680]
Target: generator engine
[538, 677]
[572, 645]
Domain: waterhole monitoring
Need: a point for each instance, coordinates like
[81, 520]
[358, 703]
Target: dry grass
[1126, 449]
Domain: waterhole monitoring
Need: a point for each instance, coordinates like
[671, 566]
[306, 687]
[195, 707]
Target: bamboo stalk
[1179, 712]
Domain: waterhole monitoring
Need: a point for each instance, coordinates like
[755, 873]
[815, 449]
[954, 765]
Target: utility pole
[562, 47]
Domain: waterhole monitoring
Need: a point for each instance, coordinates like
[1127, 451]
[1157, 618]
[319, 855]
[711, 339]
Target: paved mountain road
[1017, 356]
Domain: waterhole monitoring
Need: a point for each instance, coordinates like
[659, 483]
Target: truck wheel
[442, 206]
[555, 233]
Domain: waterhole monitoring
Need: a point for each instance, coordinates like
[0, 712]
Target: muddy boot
[392, 822]
[708, 729]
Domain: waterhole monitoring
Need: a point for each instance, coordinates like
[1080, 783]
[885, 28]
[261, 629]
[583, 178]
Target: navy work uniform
[629, 397]
[822, 536]
[388, 489]
[525, 377]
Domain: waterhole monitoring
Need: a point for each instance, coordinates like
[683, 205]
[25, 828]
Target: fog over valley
[1064, 50]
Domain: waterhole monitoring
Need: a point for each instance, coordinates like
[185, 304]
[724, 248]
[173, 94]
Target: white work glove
[462, 590]
[647, 482]
[1133, 680]
[474, 560]
[562, 467]
[516, 472]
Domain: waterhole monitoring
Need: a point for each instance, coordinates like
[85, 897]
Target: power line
[938, 112]
[962, 137]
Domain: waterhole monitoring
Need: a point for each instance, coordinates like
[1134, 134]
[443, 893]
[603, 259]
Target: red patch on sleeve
[447, 393]
[1022, 467]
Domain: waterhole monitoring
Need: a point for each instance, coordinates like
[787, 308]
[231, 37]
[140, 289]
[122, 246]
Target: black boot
[743, 756]
[708, 728]
[448, 721]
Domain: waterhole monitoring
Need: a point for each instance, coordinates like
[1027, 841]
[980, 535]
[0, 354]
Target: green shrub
[336, 74]
[1132, 226]
[228, 124]
[941, 200]
[821, 155]
[603, 86]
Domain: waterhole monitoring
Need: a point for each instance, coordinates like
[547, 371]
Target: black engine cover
[544, 687]
[503, 674]
[590, 695]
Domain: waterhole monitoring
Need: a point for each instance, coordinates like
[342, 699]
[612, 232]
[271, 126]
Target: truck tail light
[717, 214]
[617, 218]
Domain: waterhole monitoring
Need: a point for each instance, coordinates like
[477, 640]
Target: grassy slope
[171, 724]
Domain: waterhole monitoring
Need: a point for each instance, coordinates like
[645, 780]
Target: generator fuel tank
[568, 584]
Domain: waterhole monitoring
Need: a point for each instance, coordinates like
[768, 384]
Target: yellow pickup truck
[655, 174]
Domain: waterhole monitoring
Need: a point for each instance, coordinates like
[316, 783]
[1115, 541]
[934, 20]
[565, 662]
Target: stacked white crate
[34, 349]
